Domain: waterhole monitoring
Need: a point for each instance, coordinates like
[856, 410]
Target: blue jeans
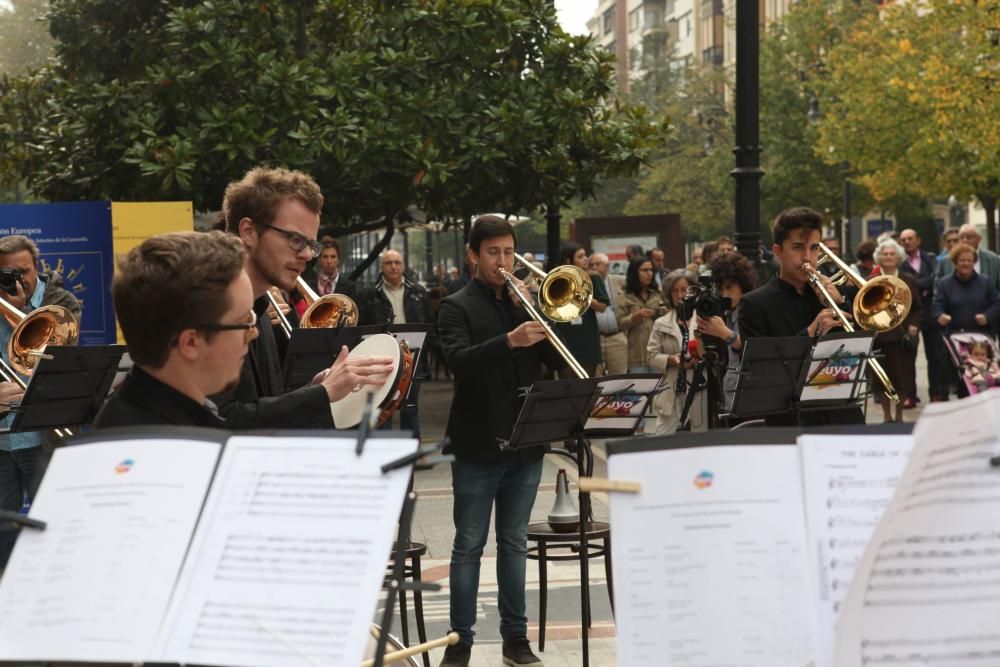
[476, 486]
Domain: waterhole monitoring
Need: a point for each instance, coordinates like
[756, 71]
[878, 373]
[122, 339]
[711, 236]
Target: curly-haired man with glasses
[275, 214]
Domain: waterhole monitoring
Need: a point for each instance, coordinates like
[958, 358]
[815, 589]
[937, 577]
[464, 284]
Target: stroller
[958, 344]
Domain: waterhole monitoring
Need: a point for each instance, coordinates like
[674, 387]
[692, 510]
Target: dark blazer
[143, 400]
[376, 309]
[260, 401]
[964, 299]
[488, 374]
[345, 285]
[776, 309]
[924, 279]
[989, 266]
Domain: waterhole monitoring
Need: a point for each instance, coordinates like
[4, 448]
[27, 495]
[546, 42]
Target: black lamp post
[747, 150]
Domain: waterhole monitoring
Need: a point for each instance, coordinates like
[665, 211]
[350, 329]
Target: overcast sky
[573, 14]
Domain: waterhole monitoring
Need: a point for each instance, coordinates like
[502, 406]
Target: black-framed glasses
[249, 327]
[297, 242]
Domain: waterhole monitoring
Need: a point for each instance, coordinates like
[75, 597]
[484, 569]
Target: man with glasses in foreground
[275, 214]
[184, 304]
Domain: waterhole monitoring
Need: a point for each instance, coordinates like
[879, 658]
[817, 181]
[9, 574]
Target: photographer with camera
[667, 352]
[26, 289]
[732, 277]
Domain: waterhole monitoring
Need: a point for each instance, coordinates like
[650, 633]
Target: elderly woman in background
[667, 355]
[899, 366]
[966, 300]
[639, 305]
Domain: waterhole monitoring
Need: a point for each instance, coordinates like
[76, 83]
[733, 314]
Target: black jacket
[925, 280]
[964, 299]
[376, 309]
[776, 309]
[143, 400]
[260, 401]
[473, 327]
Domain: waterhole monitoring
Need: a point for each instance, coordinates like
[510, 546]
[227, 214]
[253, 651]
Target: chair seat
[412, 549]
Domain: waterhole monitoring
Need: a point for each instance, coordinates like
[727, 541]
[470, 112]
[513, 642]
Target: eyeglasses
[645, 270]
[249, 327]
[297, 242]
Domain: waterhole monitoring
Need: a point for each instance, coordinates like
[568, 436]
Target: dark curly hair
[733, 267]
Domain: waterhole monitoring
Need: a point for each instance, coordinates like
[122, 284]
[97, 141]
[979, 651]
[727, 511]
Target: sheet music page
[290, 555]
[710, 558]
[927, 591]
[95, 584]
[849, 481]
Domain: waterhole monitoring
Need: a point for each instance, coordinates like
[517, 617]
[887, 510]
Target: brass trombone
[33, 332]
[324, 312]
[882, 303]
[564, 294]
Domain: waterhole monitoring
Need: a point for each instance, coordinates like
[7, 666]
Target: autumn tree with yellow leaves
[911, 99]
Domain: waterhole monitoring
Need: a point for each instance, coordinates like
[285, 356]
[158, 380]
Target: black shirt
[259, 400]
[143, 399]
[777, 309]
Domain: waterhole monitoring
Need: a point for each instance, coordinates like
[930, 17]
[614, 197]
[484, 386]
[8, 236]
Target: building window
[609, 21]
[633, 20]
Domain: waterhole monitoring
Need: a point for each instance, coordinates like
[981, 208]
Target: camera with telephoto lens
[703, 299]
[9, 278]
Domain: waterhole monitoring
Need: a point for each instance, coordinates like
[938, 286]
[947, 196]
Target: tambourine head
[347, 412]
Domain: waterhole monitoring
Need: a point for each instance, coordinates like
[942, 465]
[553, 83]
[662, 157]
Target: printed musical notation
[282, 568]
[849, 483]
[927, 590]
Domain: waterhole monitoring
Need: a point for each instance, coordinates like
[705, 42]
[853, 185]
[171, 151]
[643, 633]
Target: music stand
[769, 375]
[67, 387]
[569, 410]
[313, 350]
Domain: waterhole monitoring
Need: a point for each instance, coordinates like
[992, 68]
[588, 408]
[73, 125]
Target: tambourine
[348, 411]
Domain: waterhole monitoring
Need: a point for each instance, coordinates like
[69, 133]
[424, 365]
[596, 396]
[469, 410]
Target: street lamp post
[747, 173]
[846, 248]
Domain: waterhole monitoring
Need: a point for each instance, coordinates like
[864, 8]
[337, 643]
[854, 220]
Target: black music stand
[313, 350]
[67, 387]
[570, 410]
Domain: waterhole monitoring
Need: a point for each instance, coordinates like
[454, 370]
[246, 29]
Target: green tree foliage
[690, 175]
[25, 43]
[456, 106]
[792, 67]
[917, 108]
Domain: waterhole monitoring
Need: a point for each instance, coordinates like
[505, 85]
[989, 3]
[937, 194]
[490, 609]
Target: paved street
[433, 526]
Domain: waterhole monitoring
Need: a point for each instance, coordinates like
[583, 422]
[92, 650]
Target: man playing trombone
[790, 304]
[492, 348]
[20, 453]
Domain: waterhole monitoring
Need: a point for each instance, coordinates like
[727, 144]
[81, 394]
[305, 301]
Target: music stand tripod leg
[583, 467]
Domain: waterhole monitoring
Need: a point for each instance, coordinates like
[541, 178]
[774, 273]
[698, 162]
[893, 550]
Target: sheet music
[288, 560]
[95, 584]
[617, 409]
[927, 591]
[709, 560]
[835, 366]
[849, 481]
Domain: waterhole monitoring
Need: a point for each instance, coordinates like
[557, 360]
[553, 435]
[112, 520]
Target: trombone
[564, 294]
[324, 312]
[48, 325]
[882, 303]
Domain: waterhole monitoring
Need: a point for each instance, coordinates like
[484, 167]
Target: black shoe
[457, 656]
[517, 652]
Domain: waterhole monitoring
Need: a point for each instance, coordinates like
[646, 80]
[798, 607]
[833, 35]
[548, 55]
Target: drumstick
[448, 640]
